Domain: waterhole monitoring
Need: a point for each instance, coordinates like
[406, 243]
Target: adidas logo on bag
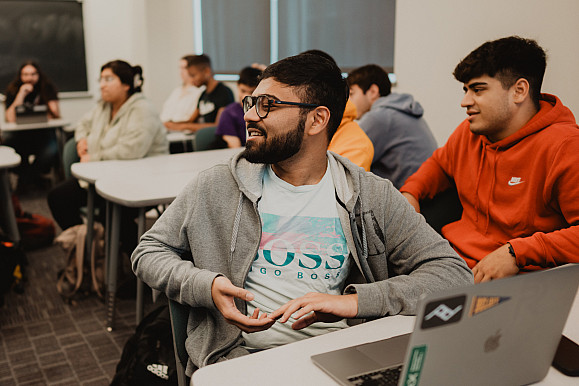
[159, 370]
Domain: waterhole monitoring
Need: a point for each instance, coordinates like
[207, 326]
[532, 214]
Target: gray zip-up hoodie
[402, 140]
[213, 227]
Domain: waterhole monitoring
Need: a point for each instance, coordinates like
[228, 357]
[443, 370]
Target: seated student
[31, 87]
[182, 102]
[231, 125]
[349, 140]
[211, 102]
[123, 125]
[515, 163]
[272, 256]
[394, 123]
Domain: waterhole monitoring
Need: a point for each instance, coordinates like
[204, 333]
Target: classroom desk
[50, 124]
[90, 172]
[59, 125]
[291, 364]
[8, 159]
[140, 184]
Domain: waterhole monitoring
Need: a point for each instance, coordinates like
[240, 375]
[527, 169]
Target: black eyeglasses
[263, 103]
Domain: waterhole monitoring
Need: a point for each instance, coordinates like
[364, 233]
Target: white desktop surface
[164, 164]
[291, 364]
[8, 157]
[50, 124]
[146, 189]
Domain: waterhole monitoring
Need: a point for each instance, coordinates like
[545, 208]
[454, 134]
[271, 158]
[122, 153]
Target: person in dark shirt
[231, 125]
[31, 87]
[212, 101]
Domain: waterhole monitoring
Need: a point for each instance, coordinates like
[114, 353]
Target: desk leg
[140, 284]
[113, 263]
[7, 208]
[61, 140]
[89, 221]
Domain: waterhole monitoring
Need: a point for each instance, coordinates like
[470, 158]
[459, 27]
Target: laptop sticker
[415, 363]
[442, 312]
[483, 303]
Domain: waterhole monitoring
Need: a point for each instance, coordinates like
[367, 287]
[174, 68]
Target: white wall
[169, 38]
[433, 36]
[150, 33]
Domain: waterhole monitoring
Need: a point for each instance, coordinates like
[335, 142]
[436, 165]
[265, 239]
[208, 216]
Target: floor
[45, 341]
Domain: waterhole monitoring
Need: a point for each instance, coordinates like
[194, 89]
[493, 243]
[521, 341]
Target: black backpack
[148, 357]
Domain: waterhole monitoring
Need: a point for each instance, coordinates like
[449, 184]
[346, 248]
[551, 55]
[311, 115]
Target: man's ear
[320, 118]
[521, 90]
[373, 93]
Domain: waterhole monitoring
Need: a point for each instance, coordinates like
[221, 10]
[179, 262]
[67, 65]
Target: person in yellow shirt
[350, 140]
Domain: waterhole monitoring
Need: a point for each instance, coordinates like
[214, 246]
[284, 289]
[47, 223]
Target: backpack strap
[96, 252]
[73, 272]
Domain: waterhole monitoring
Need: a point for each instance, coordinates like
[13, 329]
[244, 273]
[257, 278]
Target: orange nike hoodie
[523, 189]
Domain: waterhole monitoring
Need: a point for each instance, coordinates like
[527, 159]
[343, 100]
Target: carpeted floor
[43, 340]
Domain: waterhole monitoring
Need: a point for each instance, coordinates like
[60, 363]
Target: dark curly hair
[508, 59]
[317, 80]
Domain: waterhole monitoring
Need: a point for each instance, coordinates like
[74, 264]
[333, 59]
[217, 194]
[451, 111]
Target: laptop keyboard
[384, 377]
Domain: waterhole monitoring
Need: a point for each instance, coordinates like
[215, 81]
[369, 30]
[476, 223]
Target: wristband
[511, 250]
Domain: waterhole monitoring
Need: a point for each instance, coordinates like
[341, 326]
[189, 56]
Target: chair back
[179, 318]
[204, 138]
[69, 156]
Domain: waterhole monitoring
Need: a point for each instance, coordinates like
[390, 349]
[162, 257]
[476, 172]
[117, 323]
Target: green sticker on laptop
[415, 363]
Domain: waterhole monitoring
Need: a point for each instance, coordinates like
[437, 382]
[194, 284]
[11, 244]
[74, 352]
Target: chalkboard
[49, 32]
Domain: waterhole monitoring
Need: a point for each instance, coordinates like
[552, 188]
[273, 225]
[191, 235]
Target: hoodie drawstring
[478, 178]
[236, 223]
[489, 196]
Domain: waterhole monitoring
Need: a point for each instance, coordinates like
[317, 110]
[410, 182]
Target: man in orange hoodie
[515, 163]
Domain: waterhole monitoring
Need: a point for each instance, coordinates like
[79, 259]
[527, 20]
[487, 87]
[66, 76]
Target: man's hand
[317, 307]
[170, 125]
[412, 200]
[223, 293]
[496, 265]
[25, 89]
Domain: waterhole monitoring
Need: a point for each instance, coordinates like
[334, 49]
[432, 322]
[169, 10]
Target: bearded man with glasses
[288, 240]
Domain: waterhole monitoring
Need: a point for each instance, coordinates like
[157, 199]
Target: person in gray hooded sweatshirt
[288, 240]
[402, 140]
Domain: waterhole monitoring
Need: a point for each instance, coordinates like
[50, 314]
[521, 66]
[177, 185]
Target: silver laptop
[504, 332]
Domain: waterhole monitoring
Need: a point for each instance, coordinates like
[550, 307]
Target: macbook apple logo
[493, 342]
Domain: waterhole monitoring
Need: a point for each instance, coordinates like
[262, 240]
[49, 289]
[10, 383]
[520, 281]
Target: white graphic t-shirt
[302, 249]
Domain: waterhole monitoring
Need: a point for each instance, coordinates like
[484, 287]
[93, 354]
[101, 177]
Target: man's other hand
[317, 307]
[223, 293]
[496, 265]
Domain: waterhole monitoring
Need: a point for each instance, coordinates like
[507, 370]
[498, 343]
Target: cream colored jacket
[135, 132]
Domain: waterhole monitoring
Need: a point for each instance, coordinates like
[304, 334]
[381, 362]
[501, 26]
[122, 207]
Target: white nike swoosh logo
[513, 183]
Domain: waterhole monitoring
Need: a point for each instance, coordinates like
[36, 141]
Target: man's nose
[466, 100]
[251, 115]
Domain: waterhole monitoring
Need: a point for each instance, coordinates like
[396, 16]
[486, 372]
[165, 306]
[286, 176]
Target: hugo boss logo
[442, 312]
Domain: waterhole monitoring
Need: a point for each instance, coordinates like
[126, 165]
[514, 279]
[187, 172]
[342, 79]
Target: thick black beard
[275, 149]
